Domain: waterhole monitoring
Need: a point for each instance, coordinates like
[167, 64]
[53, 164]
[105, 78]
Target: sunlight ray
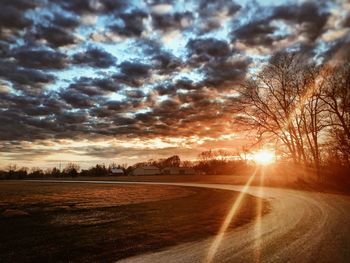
[230, 215]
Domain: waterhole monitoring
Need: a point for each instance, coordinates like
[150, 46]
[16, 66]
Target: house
[146, 170]
[178, 171]
[117, 171]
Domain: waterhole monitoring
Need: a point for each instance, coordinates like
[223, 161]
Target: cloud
[69, 22]
[211, 14]
[132, 24]
[4, 49]
[217, 61]
[12, 17]
[80, 6]
[133, 73]
[161, 60]
[23, 78]
[55, 36]
[122, 76]
[94, 86]
[92, 6]
[308, 15]
[94, 57]
[72, 117]
[135, 69]
[76, 99]
[172, 21]
[208, 48]
[307, 20]
[256, 33]
[338, 50]
[40, 59]
[206, 8]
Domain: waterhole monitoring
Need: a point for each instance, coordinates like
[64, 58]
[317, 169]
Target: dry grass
[108, 231]
[57, 196]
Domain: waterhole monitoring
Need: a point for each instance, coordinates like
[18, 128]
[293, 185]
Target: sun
[264, 157]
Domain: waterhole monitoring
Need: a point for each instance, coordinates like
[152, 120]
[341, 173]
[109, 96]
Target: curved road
[301, 227]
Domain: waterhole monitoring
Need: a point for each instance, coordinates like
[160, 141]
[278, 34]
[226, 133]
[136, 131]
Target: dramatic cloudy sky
[112, 80]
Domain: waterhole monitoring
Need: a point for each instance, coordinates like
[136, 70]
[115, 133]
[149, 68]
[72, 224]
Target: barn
[178, 171]
[116, 171]
[146, 170]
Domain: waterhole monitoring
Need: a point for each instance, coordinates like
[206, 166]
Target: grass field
[268, 176]
[87, 223]
[272, 181]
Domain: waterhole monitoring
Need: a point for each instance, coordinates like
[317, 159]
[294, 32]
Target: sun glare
[264, 157]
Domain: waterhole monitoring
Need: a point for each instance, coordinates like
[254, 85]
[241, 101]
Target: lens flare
[264, 157]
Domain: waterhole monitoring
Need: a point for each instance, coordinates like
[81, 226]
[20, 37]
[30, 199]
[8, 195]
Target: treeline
[70, 170]
[211, 162]
[208, 162]
[172, 161]
[302, 108]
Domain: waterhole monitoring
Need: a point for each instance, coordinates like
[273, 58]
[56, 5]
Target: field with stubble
[72, 222]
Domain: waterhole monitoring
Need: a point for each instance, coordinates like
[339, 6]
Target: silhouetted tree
[36, 172]
[71, 169]
[55, 172]
[14, 173]
[99, 170]
[173, 161]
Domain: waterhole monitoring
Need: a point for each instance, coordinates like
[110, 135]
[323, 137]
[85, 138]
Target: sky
[106, 81]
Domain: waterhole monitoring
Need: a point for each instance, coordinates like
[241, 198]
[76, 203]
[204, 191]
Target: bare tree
[222, 155]
[206, 156]
[312, 115]
[282, 104]
[187, 164]
[71, 169]
[336, 95]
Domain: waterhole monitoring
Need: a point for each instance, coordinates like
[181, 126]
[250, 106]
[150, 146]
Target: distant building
[178, 171]
[146, 170]
[117, 171]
